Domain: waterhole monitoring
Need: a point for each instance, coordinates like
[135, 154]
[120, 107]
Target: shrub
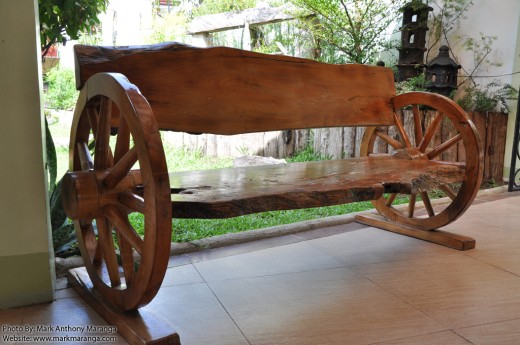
[491, 97]
[61, 89]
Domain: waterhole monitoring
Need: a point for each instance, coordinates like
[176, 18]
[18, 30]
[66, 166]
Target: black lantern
[413, 39]
[441, 73]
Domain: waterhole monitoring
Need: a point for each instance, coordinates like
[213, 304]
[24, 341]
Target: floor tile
[12, 316]
[370, 245]
[242, 248]
[456, 290]
[330, 231]
[294, 257]
[500, 333]
[179, 260]
[441, 338]
[65, 317]
[334, 306]
[196, 315]
[181, 275]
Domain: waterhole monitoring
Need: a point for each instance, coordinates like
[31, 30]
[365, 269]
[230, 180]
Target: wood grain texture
[431, 147]
[237, 191]
[443, 238]
[141, 327]
[99, 193]
[230, 91]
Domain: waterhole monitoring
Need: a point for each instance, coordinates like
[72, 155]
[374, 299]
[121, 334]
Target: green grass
[193, 229]
[180, 159]
[185, 230]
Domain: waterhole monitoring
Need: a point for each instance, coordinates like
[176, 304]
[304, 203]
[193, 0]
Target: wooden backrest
[231, 91]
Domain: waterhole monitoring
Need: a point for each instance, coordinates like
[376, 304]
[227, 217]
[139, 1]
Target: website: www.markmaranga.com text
[24, 333]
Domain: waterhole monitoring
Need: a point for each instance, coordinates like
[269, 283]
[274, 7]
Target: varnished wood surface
[96, 191]
[137, 327]
[230, 91]
[420, 146]
[443, 238]
[237, 191]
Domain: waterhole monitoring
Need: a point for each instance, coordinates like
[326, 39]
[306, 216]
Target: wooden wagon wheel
[101, 190]
[425, 142]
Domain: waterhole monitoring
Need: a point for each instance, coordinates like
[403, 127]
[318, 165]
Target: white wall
[26, 256]
[500, 18]
[127, 22]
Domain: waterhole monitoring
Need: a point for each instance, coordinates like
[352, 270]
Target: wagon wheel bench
[118, 166]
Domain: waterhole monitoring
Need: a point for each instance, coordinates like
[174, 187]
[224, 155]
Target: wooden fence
[346, 142]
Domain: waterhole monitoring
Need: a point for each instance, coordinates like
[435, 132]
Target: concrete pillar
[26, 256]
[512, 116]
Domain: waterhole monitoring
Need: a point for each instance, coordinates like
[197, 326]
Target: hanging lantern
[441, 73]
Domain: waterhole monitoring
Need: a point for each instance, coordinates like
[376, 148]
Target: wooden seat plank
[233, 192]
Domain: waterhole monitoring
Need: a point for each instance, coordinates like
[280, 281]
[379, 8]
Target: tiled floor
[349, 284]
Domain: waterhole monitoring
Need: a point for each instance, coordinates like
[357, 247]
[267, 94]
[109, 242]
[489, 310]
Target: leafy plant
[63, 20]
[491, 97]
[168, 27]
[60, 21]
[61, 89]
[357, 30]
[417, 83]
[221, 6]
[444, 19]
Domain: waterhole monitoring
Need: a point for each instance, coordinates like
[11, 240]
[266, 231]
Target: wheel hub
[81, 194]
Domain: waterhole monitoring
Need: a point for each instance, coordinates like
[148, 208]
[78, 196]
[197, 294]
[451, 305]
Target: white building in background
[127, 22]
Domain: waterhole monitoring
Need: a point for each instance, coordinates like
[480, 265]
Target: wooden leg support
[136, 327]
[444, 238]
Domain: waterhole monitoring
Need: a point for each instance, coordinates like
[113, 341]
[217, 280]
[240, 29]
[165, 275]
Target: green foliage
[168, 27]
[349, 30]
[61, 89]
[182, 159]
[445, 18]
[417, 83]
[307, 155]
[491, 97]
[221, 6]
[63, 20]
[60, 21]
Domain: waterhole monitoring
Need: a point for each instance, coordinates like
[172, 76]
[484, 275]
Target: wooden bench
[134, 92]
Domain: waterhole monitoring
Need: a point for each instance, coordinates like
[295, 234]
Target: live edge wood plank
[443, 238]
[238, 191]
[222, 90]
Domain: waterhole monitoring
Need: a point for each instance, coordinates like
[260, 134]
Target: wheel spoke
[402, 131]
[427, 204]
[84, 156]
[92, 115]
[127, 259]
[417, 124]
[444, 146]
[448, 191]
[123, 140]
[430, 132]
[391, 199]
[389, 140]
[133, 201]
[124, 228]
[109, 251]
[90, 241]
[411, 205]
[120, 169]
[102, 150]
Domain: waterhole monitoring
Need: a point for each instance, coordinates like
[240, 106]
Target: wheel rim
[104, 188]
[446, 135]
